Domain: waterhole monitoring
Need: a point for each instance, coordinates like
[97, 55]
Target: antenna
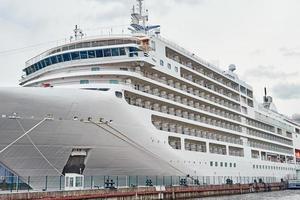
[78, 33]
[265, 91]
[139, 18]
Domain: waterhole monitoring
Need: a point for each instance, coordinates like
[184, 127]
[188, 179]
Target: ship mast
[139, 18]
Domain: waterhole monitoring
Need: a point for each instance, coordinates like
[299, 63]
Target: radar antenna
[139, 18]
[78, 33]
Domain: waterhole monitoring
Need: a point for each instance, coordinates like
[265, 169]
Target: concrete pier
[147, 193]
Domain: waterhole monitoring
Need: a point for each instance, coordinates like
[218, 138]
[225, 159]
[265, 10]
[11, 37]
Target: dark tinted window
[66, 57]
[39, 65]
[75, 55]
[91, 54]
[59, 58]
[47, 62]
[107, 52]
[43, 63]
[53, 60]
[115, 52]
[122, 51]
[83, 54]
[99, 53]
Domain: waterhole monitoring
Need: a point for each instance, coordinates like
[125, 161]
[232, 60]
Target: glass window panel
[107, 52]
[43, 63]
[122, 51]
[32, 69]
[83, 54]
[66, 57]
[91, 54]
[59, 58]
[99, 53]
[39, 65]
[95, 69]
[115, 52]
[47, 62]
[53, 60]
[75, 56]
[113, 81]
[84, 81]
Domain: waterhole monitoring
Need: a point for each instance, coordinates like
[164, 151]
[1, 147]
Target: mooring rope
[25, 133]
[39, 150]
[136, 145]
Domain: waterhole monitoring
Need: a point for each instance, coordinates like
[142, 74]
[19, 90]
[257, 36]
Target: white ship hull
[136, 148]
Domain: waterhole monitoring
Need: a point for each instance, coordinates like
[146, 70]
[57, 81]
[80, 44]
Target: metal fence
[57, 183]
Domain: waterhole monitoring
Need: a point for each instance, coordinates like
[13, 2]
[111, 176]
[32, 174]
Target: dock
[145, 193]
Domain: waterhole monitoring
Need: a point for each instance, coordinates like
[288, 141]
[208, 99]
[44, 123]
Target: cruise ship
[139, 104]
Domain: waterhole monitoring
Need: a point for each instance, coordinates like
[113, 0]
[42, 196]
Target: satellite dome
[232, 67]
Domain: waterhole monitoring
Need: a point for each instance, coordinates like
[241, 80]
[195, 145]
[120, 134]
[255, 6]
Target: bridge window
[122, 51]
[66, 57]
[53, 60]
[47, 62]
[115, 52]
[59, 58]
[107, 52]
[91, 54]
[75, 56]
[99, 53]
[83, 54]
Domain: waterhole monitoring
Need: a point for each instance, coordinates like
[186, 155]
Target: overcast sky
[261, 37]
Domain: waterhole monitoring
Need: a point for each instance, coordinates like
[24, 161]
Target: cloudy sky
[261, 37]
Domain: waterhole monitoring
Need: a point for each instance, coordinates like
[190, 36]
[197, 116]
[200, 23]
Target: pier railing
[57, 183]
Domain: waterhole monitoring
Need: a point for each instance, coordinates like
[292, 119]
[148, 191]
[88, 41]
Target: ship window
[230, 164]
[75, 55]
[176, 69]
[216, 164]
[122, 51]
[99, 53]
[234, 164]
[169, 65]
[221, 164]
[39, 66]
[107, 52]
[83, 54]
[84, 81]
[95, 69]
[113, 81]
[47, 62]
[66, 57]
[119, 94]
[53, 60]
[225, 164]
[91, 54]
[35, 67]
[211, 163]
[161, 62]
[43, 63]
[115, 52]
[59, 58]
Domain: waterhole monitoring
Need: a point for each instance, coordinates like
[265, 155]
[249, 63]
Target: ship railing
[13, 184]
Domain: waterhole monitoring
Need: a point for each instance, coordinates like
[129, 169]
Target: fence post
[171, 180]
[92, 180]
[28, 183]
[17, 184]
[46, 184]
[60, 182]
[117, 181]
